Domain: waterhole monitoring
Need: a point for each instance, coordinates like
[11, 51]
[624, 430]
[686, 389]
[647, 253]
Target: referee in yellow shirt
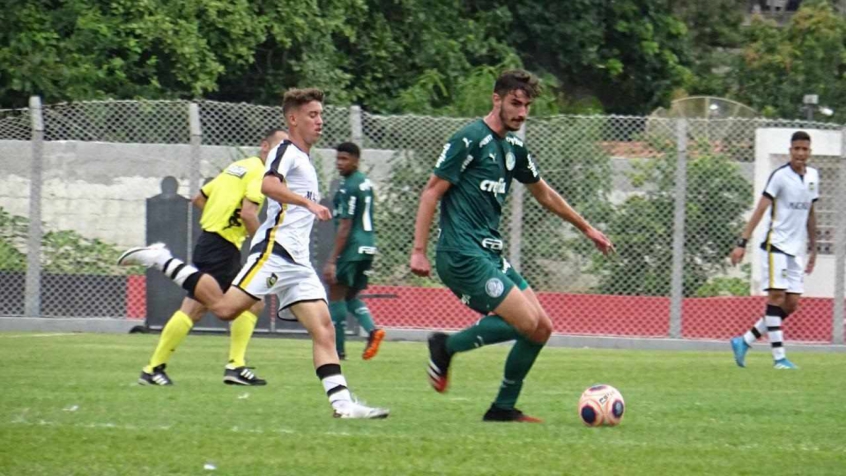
[230, 204]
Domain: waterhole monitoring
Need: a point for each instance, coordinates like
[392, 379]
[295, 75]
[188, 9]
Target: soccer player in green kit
[472, 178]
[352, 254]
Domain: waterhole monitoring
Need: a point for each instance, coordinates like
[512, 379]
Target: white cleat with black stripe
[360, 411]
[156, 377]
[242, 376]
[154, 255]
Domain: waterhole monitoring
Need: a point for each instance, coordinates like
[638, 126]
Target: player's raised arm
[552, 201]
[435, 189]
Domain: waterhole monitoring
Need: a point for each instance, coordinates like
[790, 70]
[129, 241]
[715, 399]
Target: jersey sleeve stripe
[771, 178]
[274, 166]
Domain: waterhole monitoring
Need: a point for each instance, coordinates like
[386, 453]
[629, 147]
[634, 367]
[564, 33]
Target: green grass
[69, 405]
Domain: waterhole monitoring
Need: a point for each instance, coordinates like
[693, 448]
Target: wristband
[741, 242]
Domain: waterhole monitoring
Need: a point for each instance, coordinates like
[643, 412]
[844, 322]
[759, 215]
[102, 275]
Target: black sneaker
[156, 377]
[439, 360]
[242, 376]
[342, 355]
[508, 415]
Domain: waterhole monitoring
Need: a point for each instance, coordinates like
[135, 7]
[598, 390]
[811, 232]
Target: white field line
[755, 447]
[55, 334]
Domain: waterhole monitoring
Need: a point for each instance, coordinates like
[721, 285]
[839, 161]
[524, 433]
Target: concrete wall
[99, 189]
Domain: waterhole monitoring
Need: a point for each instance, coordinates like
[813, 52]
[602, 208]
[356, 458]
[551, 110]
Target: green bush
[62, 251]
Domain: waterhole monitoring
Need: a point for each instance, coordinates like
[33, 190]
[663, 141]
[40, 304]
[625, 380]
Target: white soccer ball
[601, 405]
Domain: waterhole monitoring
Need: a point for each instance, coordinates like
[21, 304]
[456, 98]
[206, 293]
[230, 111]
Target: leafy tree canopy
[390, 56]
[779, 65]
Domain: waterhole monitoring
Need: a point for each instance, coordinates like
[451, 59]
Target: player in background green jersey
[352, 255]
[471, 180]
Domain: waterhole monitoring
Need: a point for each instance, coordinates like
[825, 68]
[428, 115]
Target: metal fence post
[840, 246]
[677, 282]
[194, 170]
[356, 129]
[516, 234]
[32, 290]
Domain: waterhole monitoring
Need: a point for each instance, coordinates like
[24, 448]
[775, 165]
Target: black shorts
[216, 256]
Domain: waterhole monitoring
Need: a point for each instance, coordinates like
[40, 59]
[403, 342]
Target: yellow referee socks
[241, 330]
[174, 332]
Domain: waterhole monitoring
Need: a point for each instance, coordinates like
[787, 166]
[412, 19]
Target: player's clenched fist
[420, 264]
[737, 255]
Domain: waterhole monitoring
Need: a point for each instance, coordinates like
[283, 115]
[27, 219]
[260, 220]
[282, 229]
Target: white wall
[100, 189]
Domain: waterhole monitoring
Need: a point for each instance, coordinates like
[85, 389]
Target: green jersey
[480, 166]
[354, 201]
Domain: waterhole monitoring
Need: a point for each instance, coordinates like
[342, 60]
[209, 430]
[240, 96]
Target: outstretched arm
[552, 201]
[435, 189]
[740, 250]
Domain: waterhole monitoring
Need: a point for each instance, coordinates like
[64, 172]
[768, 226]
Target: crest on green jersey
[494, 287]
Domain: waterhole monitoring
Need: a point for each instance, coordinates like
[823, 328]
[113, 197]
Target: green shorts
[481, 282]
[353, 274]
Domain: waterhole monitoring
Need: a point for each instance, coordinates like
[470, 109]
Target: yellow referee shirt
[224, 196]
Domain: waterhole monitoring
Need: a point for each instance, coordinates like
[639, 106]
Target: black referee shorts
[216, 256]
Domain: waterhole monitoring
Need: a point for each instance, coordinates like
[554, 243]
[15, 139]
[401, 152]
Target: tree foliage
[642, 227]
[430, 57]
[62, 251]
[86, 49]
[779, 65]
[715, 32]
[387, 55]
[630, 54]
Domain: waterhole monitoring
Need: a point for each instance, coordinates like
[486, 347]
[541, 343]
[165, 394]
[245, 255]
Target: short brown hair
[295, 98]
[515, 79]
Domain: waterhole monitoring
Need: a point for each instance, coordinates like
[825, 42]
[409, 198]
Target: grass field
[69, 405]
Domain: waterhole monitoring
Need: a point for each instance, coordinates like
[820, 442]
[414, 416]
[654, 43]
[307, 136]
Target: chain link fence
[672, 194]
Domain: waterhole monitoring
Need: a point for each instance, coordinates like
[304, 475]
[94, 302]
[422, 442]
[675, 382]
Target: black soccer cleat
[508, 415]
[242, 376]
[439, 360]
[156, 377]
